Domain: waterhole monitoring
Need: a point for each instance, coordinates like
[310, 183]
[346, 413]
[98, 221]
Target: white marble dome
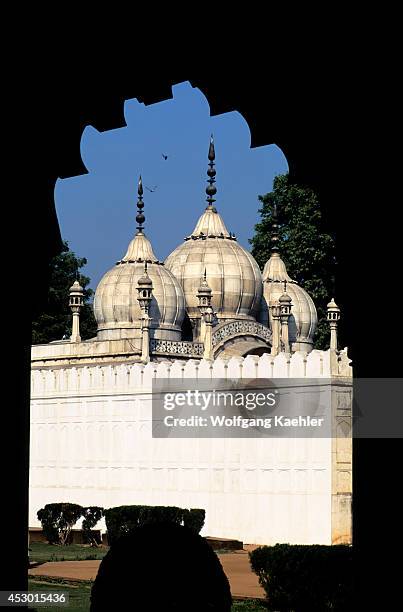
[304, 318]
[231, 271]
[116, 307]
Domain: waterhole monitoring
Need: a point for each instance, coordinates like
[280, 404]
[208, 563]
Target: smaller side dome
[116, 306]
[117, 310]
[304, 319]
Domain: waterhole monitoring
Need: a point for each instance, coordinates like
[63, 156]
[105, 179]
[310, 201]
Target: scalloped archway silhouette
[301, 108]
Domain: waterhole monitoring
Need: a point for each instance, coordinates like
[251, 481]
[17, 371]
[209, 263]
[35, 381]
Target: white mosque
[206, 312]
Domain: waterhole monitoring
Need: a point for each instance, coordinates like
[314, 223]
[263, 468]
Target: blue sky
[96, 211]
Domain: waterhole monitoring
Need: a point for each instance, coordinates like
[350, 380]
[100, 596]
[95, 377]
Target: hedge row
[58, 520]
[124, 519]
[305, 577]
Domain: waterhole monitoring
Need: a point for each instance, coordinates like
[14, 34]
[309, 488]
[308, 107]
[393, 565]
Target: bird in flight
[152, 189]
[164, 156]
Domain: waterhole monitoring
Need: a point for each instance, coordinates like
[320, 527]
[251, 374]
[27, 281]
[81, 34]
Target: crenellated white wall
[91, 444]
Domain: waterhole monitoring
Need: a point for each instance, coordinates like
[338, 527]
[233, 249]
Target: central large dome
[231, 271]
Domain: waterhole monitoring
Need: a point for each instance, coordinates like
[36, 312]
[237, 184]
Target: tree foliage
[91, 515]
[58, 520]
[307, 250]
[56, 320]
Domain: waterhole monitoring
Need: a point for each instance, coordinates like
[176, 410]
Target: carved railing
[177, 347]
[239, 328]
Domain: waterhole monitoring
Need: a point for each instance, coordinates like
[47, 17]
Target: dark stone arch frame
[314, 118]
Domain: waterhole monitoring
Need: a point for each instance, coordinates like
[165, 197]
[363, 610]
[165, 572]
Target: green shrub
[121, 520]
[194, 519]
[58, 520]
[124, 519]
[160, 514]
[91, 515]
[303, 578]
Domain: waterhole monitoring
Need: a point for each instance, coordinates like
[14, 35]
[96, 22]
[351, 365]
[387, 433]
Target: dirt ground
[243, 582]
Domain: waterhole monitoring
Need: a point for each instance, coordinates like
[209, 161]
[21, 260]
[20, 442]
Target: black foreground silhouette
[161, 566]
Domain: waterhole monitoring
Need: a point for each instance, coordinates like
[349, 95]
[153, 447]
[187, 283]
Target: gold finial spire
[211, 189]
[140, 218]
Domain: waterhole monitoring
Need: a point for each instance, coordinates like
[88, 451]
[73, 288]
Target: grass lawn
[79, 597]
[41, 551]
[248, 606]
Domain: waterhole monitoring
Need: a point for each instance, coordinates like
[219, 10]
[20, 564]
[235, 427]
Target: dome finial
[140, 218]
[274, 231]
[211, 189]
